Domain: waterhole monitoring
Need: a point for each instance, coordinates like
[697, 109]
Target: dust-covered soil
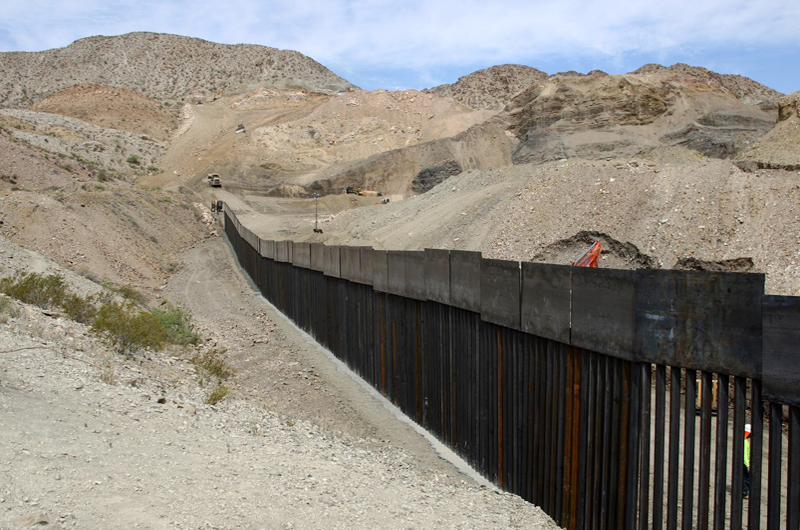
[91, 439]
[114, 108]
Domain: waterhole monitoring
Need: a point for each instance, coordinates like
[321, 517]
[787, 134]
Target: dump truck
[213, 180]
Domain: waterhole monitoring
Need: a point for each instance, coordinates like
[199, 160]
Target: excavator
[590, 258]
[362, 192]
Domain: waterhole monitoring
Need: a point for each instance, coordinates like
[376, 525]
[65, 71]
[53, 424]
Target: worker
[746, 488]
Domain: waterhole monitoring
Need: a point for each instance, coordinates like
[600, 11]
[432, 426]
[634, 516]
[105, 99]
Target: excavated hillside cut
[780, 147]
[598, 116]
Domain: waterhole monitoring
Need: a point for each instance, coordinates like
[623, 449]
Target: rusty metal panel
[396, 272]
[317, 256]
[781, 356]
[289, 250]
[351, 263]
[415, 274]
[380, 271]
[333, 265]
[793, 475]
[701, 320]
[500, 292]
[465, 280]
[546, 300]
[302, 255]
[437, 275]
[604, 311]
[366, 276]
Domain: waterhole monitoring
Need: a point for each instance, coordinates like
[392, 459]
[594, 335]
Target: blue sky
[419, 44]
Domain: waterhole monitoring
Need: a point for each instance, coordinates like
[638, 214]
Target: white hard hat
[747, 428]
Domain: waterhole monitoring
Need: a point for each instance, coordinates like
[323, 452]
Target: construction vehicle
[216, 206]
[362, 192]
[590, 258]
[213, 180]
[240, 128]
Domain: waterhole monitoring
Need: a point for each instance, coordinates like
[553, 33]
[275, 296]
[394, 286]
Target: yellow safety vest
[747, 453]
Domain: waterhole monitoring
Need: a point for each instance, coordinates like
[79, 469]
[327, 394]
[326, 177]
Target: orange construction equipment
[590, 258]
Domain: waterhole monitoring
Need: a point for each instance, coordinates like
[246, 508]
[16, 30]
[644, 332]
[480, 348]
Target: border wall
[610, 398]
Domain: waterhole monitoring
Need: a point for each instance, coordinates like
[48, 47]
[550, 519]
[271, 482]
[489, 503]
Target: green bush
[217, 394]
[177, 322]
[210, 366]
[80, 309]
[46, 292]
[128, 292]
[127, 328]
[133, 160]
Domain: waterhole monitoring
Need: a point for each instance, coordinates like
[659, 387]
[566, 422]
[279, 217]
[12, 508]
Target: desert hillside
[164, 67]
[491, 88]
[79, 216]
[305, 133]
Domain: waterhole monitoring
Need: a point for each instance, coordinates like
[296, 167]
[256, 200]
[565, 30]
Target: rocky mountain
[745, 89]
[778, 149]
[164, 67]
[491, 88]
[598, 116]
